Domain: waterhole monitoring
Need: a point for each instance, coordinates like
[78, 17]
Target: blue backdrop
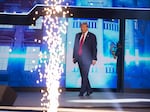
[20, 56]
[19, 52]
[137, 54]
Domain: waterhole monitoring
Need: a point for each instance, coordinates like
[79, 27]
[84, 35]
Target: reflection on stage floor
[98, 101]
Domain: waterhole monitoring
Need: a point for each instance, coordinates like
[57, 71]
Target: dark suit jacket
[89, 48]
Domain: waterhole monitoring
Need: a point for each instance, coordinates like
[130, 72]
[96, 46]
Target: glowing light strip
[133, 58]
[111, 101]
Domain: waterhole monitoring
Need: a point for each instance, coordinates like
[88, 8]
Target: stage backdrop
[19, 54]
[20, 47]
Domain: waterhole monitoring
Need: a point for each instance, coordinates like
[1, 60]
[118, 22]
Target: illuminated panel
[38, 24]
[103, 74]
[4, 54]
[6, 26]
[137, 54]
[32, 58]
[94, 3]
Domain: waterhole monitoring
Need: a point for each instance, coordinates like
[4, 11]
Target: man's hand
[74, 60]
[93, 62]
[115, 57]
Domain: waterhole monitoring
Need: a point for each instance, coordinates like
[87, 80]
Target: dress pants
[84, 67]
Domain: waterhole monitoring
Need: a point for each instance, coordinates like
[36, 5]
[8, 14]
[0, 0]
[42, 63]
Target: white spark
[53, 58]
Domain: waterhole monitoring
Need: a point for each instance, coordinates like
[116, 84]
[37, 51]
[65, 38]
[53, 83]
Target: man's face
[84, 28]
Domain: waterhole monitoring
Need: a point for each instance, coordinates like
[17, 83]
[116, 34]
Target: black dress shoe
[89, 93]
[80, 94]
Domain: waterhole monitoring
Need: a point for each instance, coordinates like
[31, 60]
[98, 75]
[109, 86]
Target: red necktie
[80, 45]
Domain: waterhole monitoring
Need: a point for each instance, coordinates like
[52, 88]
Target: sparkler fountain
[53, 64]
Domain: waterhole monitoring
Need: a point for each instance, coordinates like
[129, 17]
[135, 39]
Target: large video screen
[19, 54]
[17, 65]
[137, 54]
[103, 74]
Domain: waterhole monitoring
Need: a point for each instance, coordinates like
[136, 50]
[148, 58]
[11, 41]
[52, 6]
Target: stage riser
[7, 96]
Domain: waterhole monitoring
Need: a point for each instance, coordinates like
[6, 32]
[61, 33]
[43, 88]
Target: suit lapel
[79, 36]
[86, 37]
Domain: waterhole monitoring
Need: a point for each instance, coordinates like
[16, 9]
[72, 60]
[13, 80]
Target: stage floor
[97, 102]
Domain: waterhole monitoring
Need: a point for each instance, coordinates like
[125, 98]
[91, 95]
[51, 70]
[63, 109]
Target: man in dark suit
[118, 55]
[85, 54]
